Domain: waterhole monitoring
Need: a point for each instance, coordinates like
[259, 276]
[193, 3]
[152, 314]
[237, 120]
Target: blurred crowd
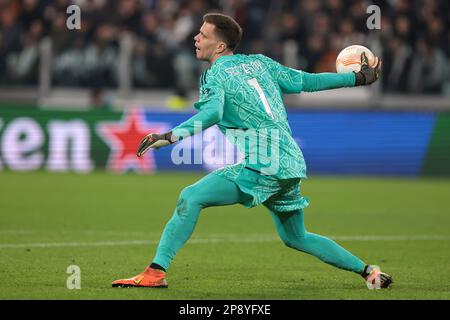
[414, 40]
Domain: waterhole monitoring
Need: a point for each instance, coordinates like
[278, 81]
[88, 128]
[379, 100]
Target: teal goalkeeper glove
[367, 75]
[154, 141]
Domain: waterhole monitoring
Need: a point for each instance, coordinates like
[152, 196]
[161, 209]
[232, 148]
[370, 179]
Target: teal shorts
[279, 195]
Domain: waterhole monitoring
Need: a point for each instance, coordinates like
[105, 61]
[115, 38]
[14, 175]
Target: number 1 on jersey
[254, 83]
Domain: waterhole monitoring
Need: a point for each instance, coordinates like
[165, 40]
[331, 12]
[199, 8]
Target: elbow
[214, 118]
[308, 89]
[211, 114]
[216, 113]
[219, 115]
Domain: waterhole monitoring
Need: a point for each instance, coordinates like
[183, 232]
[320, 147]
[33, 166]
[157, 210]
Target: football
[349, 59]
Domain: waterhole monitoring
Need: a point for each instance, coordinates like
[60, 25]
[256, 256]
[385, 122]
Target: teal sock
[329, 252]
[177, 231]
[291, 229]
[212, 190]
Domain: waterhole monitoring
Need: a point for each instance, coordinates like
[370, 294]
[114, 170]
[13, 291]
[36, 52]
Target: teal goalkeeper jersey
[243, 95]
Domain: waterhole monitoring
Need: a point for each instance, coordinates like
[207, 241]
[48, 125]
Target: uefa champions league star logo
[123, 138]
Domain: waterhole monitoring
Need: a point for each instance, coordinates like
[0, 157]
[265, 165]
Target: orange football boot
[149, 278]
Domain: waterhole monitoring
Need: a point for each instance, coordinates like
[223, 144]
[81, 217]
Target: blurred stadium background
[132, 55]
[79, 101]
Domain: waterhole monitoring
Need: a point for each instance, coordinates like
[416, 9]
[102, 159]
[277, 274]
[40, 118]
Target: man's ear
[221, 47]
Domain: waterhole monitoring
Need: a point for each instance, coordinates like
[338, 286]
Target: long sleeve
[211, 106]
[325, 81]
[295, 81]
[210, 113]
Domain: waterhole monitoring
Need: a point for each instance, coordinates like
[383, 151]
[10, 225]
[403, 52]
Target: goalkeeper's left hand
[367, 75]
[154, 141]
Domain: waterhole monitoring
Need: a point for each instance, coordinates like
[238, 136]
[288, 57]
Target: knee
[298, 242]
[187, 200]
[187, 193]
[287, 240]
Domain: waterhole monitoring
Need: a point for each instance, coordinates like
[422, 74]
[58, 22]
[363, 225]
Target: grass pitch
[109, 226]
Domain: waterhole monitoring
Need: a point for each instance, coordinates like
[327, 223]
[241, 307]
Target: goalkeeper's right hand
[154, 141]
[367, 75]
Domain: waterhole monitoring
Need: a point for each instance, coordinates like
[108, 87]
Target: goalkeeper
[243, 96]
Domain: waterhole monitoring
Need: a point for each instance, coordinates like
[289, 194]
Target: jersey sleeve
[210, 106]
[295, 81]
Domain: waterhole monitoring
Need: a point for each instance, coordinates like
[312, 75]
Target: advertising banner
[348, 142]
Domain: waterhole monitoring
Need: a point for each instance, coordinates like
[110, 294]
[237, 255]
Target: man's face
[206, 42]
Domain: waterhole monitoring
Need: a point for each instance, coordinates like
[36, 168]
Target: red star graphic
[123, 137]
